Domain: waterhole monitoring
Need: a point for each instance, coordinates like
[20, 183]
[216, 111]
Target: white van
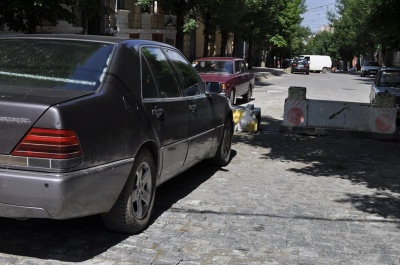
[319, 63]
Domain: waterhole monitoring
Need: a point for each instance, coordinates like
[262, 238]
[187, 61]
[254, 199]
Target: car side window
[149, 88]
[188, 76]
[238, 67]
[242, 66]
[162, 72]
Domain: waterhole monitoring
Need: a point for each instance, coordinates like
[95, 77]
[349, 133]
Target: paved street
[283, 199]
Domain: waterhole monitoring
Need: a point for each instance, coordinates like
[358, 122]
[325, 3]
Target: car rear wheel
[324, 70]
[131, 212]
[223, 155]
[248, 95]
[232, 97]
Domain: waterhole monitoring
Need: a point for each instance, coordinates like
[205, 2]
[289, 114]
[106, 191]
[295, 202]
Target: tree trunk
[206, 33]
[32, 23]
[250, 53]
[224, 41]
[180, 21]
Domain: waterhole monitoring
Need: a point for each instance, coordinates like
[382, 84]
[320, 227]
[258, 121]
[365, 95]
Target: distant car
[230, 73]
[300, 65]
[387, 81]
[92, 125]
[369, 68]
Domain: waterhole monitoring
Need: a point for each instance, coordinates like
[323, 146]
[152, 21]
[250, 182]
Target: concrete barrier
[305, 115]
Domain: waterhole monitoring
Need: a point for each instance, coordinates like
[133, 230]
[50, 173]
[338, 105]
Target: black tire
[131, 212]
[232, 97]
[362, 74]
[248, 95]
[223, 155]
[307, 73]
[324, 70]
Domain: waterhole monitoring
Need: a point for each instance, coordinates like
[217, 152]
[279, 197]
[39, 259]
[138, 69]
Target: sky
[315, 15]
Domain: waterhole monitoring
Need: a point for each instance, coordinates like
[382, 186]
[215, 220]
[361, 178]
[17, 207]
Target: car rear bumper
[304, 70]
[26, 194]
[369, 72]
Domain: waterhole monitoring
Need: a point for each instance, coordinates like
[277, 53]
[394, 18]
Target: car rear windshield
[389, 78]
[371, 64]
[54, 64]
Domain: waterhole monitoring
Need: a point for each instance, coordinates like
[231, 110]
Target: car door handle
[159, 113]
[192, 107]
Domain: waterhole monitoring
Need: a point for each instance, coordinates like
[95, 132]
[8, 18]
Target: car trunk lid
[20, 108]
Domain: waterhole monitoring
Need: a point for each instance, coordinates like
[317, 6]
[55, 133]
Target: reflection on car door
[202, 115]
[166, 107]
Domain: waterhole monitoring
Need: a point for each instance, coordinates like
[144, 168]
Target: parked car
[230, 73]
[387, 81]
[92, 125]
[300, 65]
[369, 68]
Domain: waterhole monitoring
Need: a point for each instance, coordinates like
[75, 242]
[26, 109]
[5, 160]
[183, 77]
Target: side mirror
[213, 88]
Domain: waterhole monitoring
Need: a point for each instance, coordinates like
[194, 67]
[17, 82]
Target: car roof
[219, 59]
[93, 38]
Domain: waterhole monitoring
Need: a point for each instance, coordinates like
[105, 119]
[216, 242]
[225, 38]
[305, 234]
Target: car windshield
[371, 64]
[389, 79]
[225, 67]
[53, 64]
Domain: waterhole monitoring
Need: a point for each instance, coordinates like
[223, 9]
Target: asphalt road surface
[283, 199]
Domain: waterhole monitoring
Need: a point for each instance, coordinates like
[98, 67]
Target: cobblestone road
[284, 199]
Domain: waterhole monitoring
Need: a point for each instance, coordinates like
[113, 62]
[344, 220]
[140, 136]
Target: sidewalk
[264, 72]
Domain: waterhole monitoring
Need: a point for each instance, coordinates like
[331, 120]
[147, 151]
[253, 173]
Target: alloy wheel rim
[141, 194]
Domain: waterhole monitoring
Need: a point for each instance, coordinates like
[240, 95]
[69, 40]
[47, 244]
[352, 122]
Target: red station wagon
[230, 73]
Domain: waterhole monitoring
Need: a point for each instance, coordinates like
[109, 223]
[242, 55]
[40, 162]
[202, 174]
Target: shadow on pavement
[81, 239]
[372, 163]
[74, 240]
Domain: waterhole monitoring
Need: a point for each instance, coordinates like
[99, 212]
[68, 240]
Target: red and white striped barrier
[303, 114]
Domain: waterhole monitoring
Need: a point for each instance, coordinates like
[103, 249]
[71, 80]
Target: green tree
[26, 15]
[381, 19]
[321, 43]
[183, 10]
[364, 26]
[286, 38]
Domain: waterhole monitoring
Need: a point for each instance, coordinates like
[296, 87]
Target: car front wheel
[131, 212]
[232, 97]
[248, 95]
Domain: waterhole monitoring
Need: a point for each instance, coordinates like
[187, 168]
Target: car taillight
[223, 87]
[49, 143]
[294, 65]
[306, 65]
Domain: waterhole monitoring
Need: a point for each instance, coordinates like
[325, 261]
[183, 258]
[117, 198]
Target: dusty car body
[230, 73]
[92, 125]
[369, 68]
[387, 81]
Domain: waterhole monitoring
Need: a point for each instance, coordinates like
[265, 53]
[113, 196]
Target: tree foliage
[25, 15]
[365, 26]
